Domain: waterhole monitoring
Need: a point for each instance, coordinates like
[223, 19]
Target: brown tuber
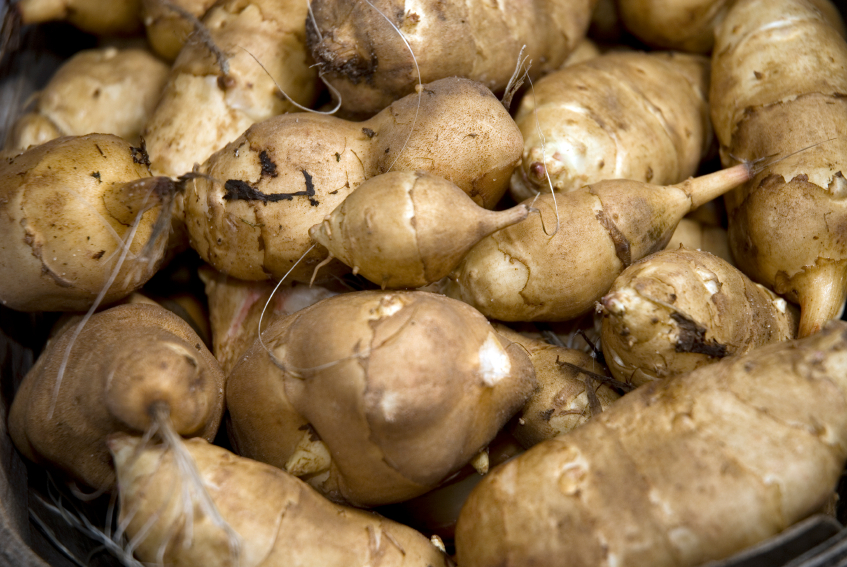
[571, 390]
[284, 175]
[779, 75]
[273, 519]
[360, 49]
[127, 364]
[376, 397]
[638, 116]
[71, 208]
[556, 265]
[404, 229]
[677, 310]
[678, 472]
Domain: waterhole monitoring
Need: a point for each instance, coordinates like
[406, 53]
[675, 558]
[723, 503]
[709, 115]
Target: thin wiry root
[517, 79]
[335, 94]
[194, 489]
[420, 84]
[268, 302]
[51, 536]
[78, 520]
[318, 267]
[758, 165]
[543, 160]
[81, 325]
[84, 496]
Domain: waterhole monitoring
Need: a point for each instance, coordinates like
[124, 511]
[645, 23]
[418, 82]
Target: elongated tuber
[778, 84]
[556, 265]
[678, 472]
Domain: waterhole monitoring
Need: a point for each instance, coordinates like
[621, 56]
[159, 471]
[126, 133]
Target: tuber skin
[677, 310]
[678, 472]
[107, 90]
[284, 175]
[280, 520]
[788, 225]
[126, 362]
[167, 26]
[100, 17]
[562, 401]
[235, 307]
[656, 130]
[64, 205]
[533, 272]
[365, 58]
[211, 98]
[403, 229]
[376, 397]
[684, 25]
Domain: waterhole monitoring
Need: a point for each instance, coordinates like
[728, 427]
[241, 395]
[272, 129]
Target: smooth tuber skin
[64, 206]
[284, 175]
[366, 59]
[403, 229]
[212, 97]
[126, 363]
[533, 272]
[107, 90]
[280, 520]
[566, 397]
[376, 397]
[677, 310]
[101, 17]
[683, 25]
[678, 472]
[779, 74]
[639, 116]
[167, 26]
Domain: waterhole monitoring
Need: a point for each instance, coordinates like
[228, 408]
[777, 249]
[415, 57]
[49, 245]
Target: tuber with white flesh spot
[376, 397]
[556, 265]
[405, 229]
[677, 310]
[126, 364]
